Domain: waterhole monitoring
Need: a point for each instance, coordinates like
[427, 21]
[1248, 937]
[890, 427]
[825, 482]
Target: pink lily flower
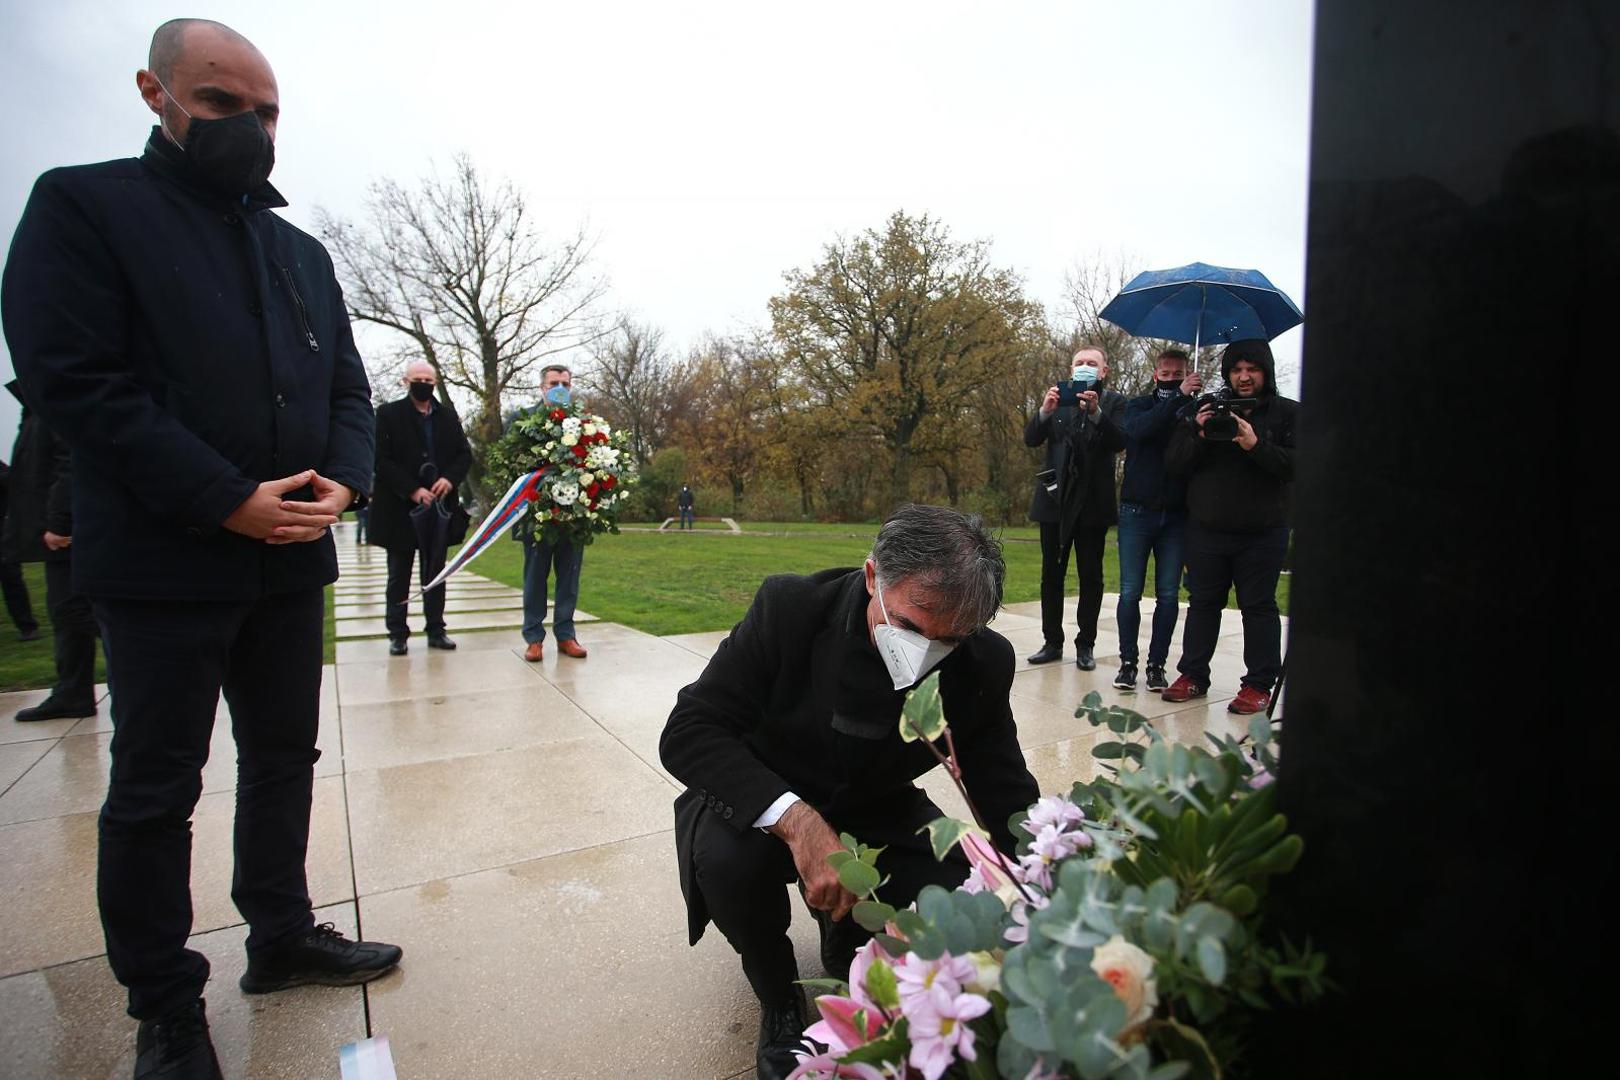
[826, 1066]
[844, 1024]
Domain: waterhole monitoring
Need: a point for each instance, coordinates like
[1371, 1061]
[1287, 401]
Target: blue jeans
[1161, 532]
[538, 558]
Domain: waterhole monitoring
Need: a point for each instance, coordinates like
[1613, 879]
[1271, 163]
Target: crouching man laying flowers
[791, 735]
[1122, 939]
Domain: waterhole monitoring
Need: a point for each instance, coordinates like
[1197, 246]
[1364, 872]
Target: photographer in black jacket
[193, 350]
[1237, 533]
[1074, 502]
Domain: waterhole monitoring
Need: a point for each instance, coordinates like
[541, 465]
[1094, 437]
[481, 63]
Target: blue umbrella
[1199, 302]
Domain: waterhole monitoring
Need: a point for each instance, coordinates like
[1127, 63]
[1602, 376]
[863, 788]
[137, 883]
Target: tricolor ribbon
[506, 512]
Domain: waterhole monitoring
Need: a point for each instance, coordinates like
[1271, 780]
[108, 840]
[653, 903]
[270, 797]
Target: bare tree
[1088, 286]
[458, 267]
[637, 386]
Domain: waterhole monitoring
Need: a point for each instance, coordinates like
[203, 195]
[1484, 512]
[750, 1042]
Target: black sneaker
[1126, 679]
[1156, 681]
[321, 957]
[176, 1046]
[781, 1031]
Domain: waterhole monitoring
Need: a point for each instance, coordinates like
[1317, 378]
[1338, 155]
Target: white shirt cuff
[773, 813]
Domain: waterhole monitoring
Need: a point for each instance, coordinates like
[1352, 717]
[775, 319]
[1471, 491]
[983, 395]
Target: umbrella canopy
[1200, 303]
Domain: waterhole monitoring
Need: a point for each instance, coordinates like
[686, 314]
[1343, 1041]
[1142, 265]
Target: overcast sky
[712, 146]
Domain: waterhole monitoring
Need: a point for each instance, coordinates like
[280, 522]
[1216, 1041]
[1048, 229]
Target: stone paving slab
[453, 621]
[508, 823]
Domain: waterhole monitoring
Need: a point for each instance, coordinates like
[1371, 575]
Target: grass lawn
[678, 583]
[28, 665]
[658, 582]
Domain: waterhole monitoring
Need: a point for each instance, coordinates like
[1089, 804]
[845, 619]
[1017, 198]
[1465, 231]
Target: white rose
[589, 429]
[987, 973]
[1129, 971]
[586, 479]
[570, 440]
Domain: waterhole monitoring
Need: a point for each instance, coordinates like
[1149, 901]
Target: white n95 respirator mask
[907, 654]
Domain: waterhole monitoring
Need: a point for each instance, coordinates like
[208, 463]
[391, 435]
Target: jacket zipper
[303, 312]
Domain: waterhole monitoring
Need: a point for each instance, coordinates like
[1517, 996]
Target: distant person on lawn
[685, 502]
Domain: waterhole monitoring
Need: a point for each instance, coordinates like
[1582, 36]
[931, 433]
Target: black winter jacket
[401, 453]
[1149, 422]
[41, 490]
[188, 346]
[1081, 450]
[1230, 489]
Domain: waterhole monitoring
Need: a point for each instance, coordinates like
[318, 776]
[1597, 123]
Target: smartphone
[1069, 390]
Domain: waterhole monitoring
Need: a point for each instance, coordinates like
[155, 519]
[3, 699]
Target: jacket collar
[171, 163]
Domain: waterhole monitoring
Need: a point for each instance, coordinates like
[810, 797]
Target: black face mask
[1169, 386]
[234, 153]
[422, 391]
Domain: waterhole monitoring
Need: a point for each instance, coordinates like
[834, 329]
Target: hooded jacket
[188, 345]
[1230, 489]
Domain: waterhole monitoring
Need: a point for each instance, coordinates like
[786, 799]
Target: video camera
[1222, 423]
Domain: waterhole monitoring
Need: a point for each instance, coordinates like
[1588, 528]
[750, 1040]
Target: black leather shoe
[322, 957]
[176, 1046]
[1083, 658]
[1047, 654]
[397, 647]
[28, 635]
[441, 641]
[51, 709]
[781, 1031]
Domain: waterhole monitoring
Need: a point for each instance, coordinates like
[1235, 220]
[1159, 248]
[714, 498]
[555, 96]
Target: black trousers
[400, 562]
[168, 662]
[1217, 562]
[742, 874]
[74, 625]
[1087, 542]
[15, 592]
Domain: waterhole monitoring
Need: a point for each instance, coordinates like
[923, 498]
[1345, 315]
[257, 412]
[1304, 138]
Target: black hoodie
[1230, 489]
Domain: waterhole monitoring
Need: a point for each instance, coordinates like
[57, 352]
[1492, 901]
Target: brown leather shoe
[534, 652]
[570, 647]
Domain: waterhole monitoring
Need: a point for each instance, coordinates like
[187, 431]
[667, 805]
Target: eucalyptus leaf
[1028, 1026]
[839, 858]
[858, 877]
[1108, 751]
[872, 915]
[1212, 959]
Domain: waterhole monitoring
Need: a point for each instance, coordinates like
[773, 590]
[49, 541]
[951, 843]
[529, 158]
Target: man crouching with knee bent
[791, 736]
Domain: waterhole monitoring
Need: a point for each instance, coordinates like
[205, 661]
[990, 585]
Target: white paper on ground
[369, 1059]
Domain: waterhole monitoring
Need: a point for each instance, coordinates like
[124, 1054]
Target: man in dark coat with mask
[422, 461]
[1074, 502]
[192, 349]
[791, 735]
[38, 527]
[1238, 483]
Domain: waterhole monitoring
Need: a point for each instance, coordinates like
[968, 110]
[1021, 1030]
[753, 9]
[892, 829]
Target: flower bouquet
[584, 471]
[1123, 938]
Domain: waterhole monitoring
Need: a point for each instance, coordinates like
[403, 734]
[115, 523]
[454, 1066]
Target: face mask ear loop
[163, 122]
[881, 608]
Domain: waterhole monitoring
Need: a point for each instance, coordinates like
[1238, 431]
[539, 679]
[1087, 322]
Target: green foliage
[945, 833]
[923, 716]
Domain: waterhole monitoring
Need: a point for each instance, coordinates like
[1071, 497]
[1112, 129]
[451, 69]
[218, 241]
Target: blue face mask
[559, 395]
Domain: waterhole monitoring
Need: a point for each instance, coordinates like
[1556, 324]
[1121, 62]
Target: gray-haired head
[952, 555]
